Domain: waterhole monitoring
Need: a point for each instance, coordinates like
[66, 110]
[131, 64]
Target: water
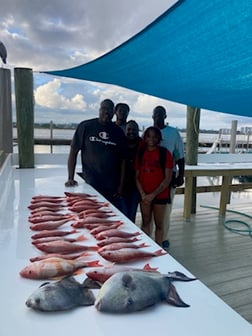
[43, 133]
[203, 198]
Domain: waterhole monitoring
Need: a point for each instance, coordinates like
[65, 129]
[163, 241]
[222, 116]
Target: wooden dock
[220, 258]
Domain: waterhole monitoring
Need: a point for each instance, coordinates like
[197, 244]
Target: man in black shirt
[103, 145]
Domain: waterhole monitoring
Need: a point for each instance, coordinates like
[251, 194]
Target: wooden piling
[6, 142]
[192, 144]
[25, 116]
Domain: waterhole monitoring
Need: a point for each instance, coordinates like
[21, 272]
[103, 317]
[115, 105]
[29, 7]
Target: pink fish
[58, 255]
[84, 223]
[129, 254]
[37, 213]
[51, 199]
[116, 233]
[64, 247]
[49, 211]
[104, 273]
[95, 213]
[39, 197]
[121, 245]
[88, 201]
[81, 195]
[52, 225]
[48, 218]
[111, 240]
[49, 239]
[81, 207]
[101, 228]
[49, 205]
[55, 267]
[52, 233]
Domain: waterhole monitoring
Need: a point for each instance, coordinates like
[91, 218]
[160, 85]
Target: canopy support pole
[192, 143]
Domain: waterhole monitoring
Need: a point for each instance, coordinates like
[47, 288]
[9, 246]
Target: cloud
[59, 34]
[48, 95]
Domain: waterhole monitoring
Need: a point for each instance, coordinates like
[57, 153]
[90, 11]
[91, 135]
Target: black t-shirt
[102, 149]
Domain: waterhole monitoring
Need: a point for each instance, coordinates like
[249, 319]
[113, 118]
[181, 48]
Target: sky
[59, 34]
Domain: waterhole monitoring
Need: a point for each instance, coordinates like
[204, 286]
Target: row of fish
[123, 292]
[123, 288]
[112, 243]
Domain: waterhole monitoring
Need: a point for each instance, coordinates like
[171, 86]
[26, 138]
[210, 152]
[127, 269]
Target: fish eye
[130, 302]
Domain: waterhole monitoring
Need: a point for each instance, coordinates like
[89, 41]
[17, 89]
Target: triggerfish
[130, 291]
[60, 295]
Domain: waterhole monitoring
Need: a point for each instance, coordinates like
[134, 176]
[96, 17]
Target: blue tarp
[197, 53]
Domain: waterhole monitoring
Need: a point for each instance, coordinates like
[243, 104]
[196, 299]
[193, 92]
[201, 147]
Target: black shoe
[166, 244]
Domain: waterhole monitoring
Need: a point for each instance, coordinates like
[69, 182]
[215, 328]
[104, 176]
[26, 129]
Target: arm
[139, 186]
[163, 185]
[179, 181]
[122, 180]
[71, 164]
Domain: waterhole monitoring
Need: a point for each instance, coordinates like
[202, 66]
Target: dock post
[192, 144]
[6, 137]
[233, 136]
[25, 116]
[51, 136]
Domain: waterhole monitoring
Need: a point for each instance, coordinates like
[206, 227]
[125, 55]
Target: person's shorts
[161, 201]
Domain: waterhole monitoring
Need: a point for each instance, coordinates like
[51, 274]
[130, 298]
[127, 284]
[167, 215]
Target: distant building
[246, 130]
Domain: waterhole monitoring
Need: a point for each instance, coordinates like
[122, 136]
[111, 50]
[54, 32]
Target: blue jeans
[128, 205]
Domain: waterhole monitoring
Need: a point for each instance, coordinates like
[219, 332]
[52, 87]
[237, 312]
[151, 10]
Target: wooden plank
[221, 259]
[216, 188]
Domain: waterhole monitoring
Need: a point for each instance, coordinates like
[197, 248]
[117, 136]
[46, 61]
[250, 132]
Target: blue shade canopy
[197, 53]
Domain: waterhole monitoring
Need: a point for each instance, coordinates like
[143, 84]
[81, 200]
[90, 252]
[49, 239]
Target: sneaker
[166, 244]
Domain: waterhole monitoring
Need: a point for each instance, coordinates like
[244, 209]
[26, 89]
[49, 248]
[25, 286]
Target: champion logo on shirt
[104, 141]
[104, 135]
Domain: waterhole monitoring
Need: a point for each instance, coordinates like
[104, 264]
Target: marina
[55, 140]
[211, 221]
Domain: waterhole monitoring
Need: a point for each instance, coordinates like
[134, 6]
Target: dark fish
[131, 291]
[61, 295]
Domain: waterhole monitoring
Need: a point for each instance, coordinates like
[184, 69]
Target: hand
[117, 195]
[179, 181]
[147, 198]
[71, 183]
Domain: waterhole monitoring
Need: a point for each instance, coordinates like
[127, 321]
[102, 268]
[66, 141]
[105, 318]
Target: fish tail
[73, 231]
[174, 299]
[143, 245]
[178, 276]
[94, 263]
[81, 238]
[77, 225]
[93, 248]
[147, 267]
[84, 254]
[82, 262]
[160, 252]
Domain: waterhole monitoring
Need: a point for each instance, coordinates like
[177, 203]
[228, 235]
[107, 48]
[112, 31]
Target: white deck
[208, 314]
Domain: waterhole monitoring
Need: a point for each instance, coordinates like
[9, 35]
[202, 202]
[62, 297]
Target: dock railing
[225, 166]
